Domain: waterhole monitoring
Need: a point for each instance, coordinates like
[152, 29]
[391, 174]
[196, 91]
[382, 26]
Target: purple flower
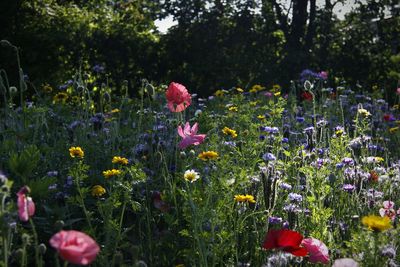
[275, 220]
[295, 197]
[348, 187]
[268, 157]
[285, 186]
[348, 161]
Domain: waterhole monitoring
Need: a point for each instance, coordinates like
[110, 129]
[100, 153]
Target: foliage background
[216, 43]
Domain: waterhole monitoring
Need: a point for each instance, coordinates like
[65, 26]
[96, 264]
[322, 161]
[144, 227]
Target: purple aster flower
[52, 173]
[348, 161]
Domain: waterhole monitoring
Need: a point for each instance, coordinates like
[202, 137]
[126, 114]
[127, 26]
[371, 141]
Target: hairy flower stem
[38, 259]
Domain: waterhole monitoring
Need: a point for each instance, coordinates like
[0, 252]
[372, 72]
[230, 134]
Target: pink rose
[190, 136]
[75, 247]
[317, 250]
[178, 97]
[26, 207]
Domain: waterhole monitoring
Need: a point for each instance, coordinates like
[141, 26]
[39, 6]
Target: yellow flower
[208, 155]
[396, 106]
[339, 132]
[120, 160]
[364, 112]
[277, 94]
[377, 223]
[256, 88]
[276, 88]
[113, 172]
[261, 117]
[393, 130]
[47, 88]
[228, 131]
[379, 159]
[253, 103]
[98, 191]
[233, 109]
[115, 110]
[244, 198]
[76, 151]
[191, 176]
[60, 97]
[239, 90]
[219, 93]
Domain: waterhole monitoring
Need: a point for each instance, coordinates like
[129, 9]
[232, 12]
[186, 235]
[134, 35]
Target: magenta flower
[190, 136]
[26, 207]
[178, 97]
[317, 250]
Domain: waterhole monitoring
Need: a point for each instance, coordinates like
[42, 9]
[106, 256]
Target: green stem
[119, 232]
[35, 236]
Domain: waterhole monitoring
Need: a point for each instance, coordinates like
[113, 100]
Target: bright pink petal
[180, 132]
[195, 128]
[388, 204]
[186, 131]
[319, 252]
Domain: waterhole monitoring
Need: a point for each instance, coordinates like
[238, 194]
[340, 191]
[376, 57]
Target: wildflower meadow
[245, 177]
[200, 133]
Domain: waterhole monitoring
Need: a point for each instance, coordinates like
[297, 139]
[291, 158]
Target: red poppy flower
[285, 240]
[307, 96]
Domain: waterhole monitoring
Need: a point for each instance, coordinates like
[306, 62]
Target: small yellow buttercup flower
[277, 94]
[261, 117]
[244, 198]
[191, 176]
[276, 88]
[110, 173]
[239, 90]
[208, 155]
[231, 132]
[115, 110]
[47, 88]
[120, 160]
[377, 223]
[233, 109]
[98, 191]
[256, 88]
[76, 152]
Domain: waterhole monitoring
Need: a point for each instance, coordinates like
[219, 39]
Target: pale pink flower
[75, 247]
[398, 91]
[178, 97]
[26, 206]
[317, 250]
[388, 210]
[190, 136]
[345, 262]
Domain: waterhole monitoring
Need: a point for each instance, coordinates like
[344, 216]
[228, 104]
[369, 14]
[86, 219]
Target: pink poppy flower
[345, 262]
[317, 250]
[26, 206]
[190, 136]
[388, 210]
[178, 97]
[75, 247]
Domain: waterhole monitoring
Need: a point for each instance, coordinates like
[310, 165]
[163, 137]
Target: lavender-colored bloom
[98, 68]
[339, 165]
[291, 208]
[74, 125]
[52, 187]
[348, 161]
[229, 143]
[285, 225]
[3, 178]
[300, 119]
[268, 157]
[271, 130]
[388, 251]
[348, 187]
[52, 173]
[69, 182]
[285, 140]
[295, 197]
[262, 137]
[285, 186]
[275, 220]
[309, 130]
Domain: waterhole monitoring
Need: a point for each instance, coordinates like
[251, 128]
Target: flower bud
[59, 225]
[42, 248]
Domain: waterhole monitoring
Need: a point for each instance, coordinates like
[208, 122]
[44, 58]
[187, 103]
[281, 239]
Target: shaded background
[213, 44]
